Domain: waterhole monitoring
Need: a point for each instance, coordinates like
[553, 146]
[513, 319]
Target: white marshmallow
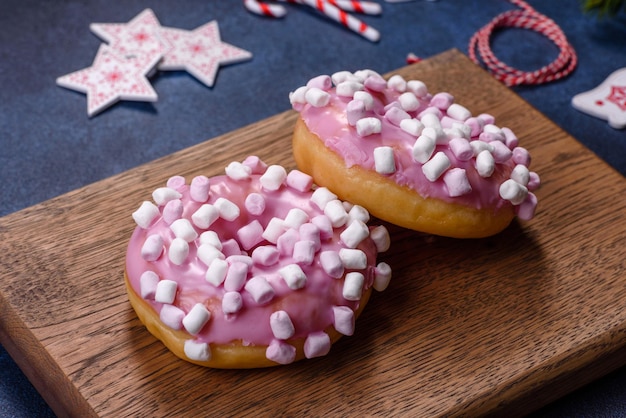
[436, 166]
[321, 196]
[521, 174]
[165, 291]
[148, 284]
[237, 171]
[205, 215]
[366, 98]
[216, 273]
[228, 210]
[196, 318]
[207, 253]
[480, 146]
[304, 252]
[273, 177]
[317, 97]
[332, 264]
[430, 120]
[274, 229]
[353, 258]
[384, 161]
[178, 251]
[236, 276]
[368, 126]
[360, 213]
[260, 290]
[456, 182]
[310, 232]
[485, 163]
[355, 110]
[396, 115]
[341, 76]
[162, 195]
[281, 325]
[298, 95]
[336, 213]
[412, 126]
[417, 87]
[255, 204]
[211, 238]
[353, 286]
[293, 276]
[152, 247]
[397, 82]
[380, 236]
[232, 302]
[197, 351]
[348, 88]
[513, 192]
[295, 218]
[408, 101]
[382, 276]
[324, 225]
[356, 232]
[458, 112]
[343, 320]
[287, 241]
[423, 148]
[280, 352]
[183, 229]
[317, 344]
[146, 213]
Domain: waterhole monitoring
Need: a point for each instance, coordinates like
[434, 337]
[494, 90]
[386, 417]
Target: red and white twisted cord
[525, 18]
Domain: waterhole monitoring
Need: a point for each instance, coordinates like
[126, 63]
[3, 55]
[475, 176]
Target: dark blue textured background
[48, 145]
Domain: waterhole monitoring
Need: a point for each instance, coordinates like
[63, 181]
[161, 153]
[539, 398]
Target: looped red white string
[526, 18]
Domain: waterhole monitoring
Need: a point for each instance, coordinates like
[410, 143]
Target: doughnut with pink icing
[415, 159]
[254, 268]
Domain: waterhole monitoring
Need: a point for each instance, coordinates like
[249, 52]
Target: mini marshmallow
[359, 212]
[341, 76]
[456, 182]
[172, 316]
[510, 139]
[237, 171]
[265, 255]
[480, 146]
[355, 110]
[442, 100]
[395, 115]
[321, 196]
[207, 253]
[458, 112]
[366, 98]
[466, 131]
[205, 215]
[173, 210]
[412, 127]
[513, 192]
[259, 288]
[430, 109]
[293, 276]
[148, 284]
[336, 213]
[417, 87]
[348, 88]
[216, 273]
[353, 286]
[310, 232]
[430, 120]
[199, 189]
[521, 156]
[255, 204]
[178, 251]
[521, 174]
[397, 82]
[317, 344]
[196, 318]
[501, 153]
[236, 276]
[324, 225]
[287, 241]
[230, 247]
[362, 75]
[381, 238]
[331, 264]
[250, 235]
[152, 247]
[228, 210]
[274, 229]
[165, 291]
[375, 83]
[475, 125]
[356, 232]
[304, 252]
[162, 195]
[176, 183]
[280, 352]
[461, 149]
[232, 302]
[368, 126]
[273, 177]
[255, 163]
[146, 213]
[295, 218]
[197, 351]
[384, 161]
[281, 325]
[408, 101]
[317, 97]
[297, 96]
[487, 119]
[343, 320]
[436, 166]
[526, 210]
[241, 258]
[382, 276]
[533, 181]
[299, 181]
[183, 229]
[323, 82]
[485, 163]
[423, 148]
[353, 258]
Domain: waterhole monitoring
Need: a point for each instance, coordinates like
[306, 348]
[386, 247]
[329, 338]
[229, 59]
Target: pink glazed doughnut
[414, 159]
[254, 268]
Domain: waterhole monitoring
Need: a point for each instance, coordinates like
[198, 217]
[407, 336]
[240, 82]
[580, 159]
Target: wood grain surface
[467, 327]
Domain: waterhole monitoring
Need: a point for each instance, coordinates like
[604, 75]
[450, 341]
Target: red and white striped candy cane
[347, 20]
[525, 18]
[365, 7]
[264, 9]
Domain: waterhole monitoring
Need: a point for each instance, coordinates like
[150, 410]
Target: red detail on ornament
[618, 96]
[599, 103]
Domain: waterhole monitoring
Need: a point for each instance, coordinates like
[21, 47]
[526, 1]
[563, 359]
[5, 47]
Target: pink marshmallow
[304, 252]
[526, 210]
[324, 225]
[231, 302]
[236, 276]
[332, 264]
[265, 255]
[317, 344]
[310, 232]
[375, 83]
[255, 204]
[148, 284]
[395, 115]
[280, 352]
[199, 189]
[322, 82]
[260, 290]
[457, 183]
[257, 166]
[533, 181]
[476, 126]
[355, 110]
[152, 248]
[382, 276]
[501, 153]
[299, 181]
[250, 235]
[172, 316]
[442, 100]
[510, 139]
[176, 182]
[461, 149]
[343, 320]
[172, 211]
[281, 325]
[521, 156]
[287, 241]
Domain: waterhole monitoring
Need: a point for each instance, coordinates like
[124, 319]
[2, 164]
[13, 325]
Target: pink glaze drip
[331, 124]
[310, 308]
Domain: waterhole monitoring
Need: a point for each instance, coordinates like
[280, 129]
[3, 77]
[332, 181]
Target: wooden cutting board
[467, 327]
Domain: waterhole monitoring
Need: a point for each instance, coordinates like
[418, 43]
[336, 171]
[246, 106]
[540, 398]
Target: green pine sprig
[604, 7]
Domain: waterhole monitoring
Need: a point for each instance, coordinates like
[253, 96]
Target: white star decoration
[606, 101]
[112, 78]
[136, 49]
[200, 52]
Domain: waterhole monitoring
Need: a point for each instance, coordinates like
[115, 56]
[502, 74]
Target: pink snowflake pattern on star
[111, 78]
[199, 52]
[618, 96]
